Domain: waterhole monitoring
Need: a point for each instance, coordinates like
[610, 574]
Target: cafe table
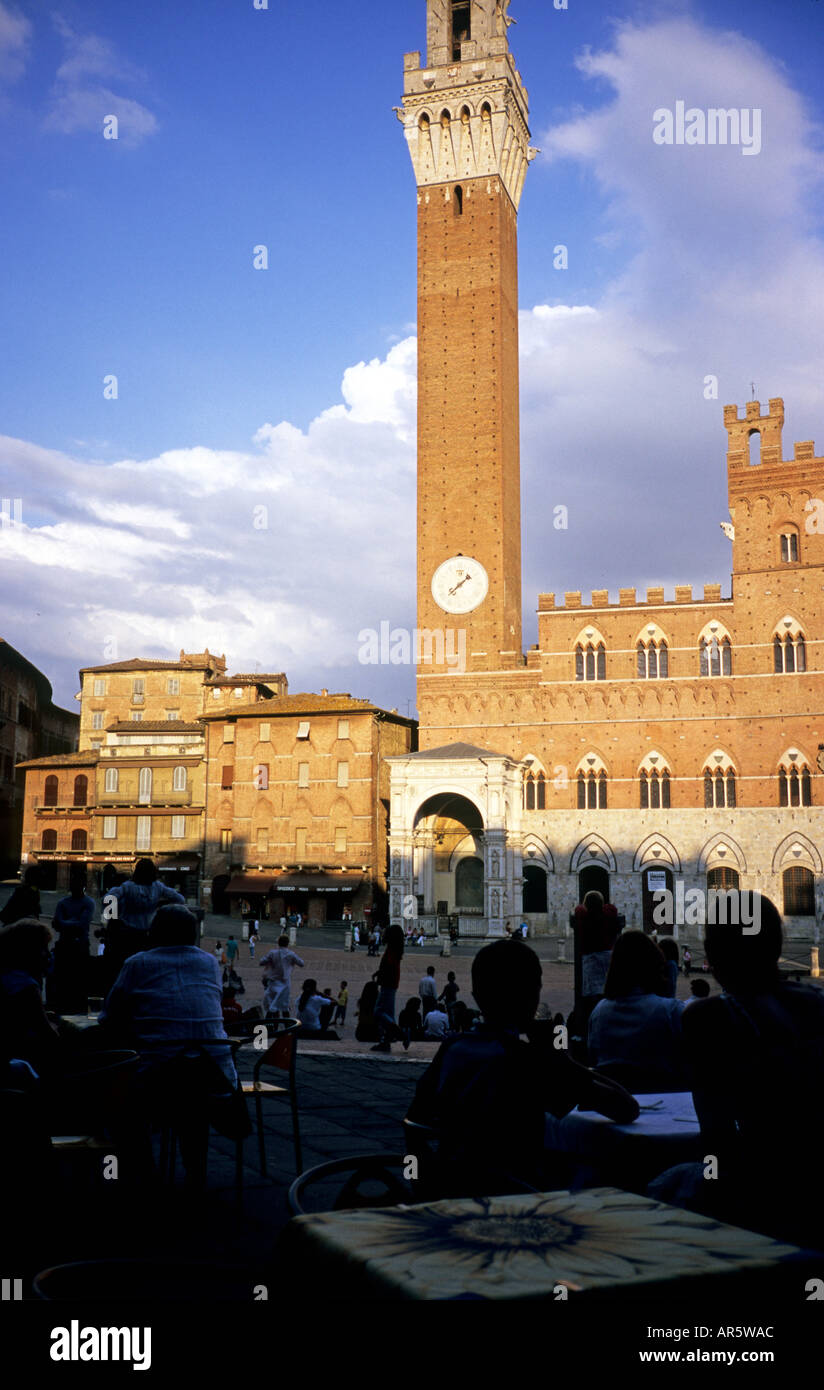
[80, 1021]
[596, 1244]
[665, 1133]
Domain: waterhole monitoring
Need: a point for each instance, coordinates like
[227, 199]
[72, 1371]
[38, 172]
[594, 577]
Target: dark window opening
[799, 892]
[458, 201]
[461, 27]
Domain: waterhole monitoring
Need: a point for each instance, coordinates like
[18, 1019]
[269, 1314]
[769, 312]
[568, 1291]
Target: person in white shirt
[277, 966]
[437, 1023]
[428, 990]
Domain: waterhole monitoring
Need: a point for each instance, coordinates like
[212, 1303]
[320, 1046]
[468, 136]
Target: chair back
[282, 1051]
[373, 1171]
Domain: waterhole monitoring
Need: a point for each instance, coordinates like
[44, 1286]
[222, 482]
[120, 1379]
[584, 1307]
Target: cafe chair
[436, 1180]
[372, 1172]
[190, 1094]
[280, 1058]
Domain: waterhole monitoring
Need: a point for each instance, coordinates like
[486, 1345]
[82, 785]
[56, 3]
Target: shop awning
[244, 884]
[317, 883]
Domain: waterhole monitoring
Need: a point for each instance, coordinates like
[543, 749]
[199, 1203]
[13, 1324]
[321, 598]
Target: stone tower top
[465, 113]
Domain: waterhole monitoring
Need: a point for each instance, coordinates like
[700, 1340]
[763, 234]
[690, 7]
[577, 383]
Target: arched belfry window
[461, 26]
[788, 546]
[754, 445]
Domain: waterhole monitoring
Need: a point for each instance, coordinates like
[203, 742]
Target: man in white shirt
[428, 991]
[277, 966]
[437, 1023]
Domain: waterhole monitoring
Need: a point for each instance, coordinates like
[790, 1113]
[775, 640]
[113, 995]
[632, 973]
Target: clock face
[460, 584]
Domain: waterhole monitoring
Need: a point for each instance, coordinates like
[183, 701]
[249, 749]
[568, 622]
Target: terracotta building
[136, 788]
[30, 724]
[647, 739]
[297, 804]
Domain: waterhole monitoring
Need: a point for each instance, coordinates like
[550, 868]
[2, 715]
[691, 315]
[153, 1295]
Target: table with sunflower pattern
[554, 1245]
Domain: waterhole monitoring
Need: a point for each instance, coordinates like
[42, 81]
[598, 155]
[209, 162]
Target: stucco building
[137, 785]
[647, 738]
[297, 803]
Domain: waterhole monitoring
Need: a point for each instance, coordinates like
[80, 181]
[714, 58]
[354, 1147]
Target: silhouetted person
[668, 947]
[487, 1092]
[24, 901]
[130, 912]
[69, 984]
[635, 1032]
[757, 1056]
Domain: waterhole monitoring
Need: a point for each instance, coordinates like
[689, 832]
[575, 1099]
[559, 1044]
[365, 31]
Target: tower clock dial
[460, 584]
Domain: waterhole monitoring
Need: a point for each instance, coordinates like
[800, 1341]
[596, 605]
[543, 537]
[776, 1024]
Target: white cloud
[721, 275]
[83, 94]
[15, 34]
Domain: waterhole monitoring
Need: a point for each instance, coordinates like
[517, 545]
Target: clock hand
[458, 585]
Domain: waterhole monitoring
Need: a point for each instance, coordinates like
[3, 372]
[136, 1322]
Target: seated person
[487, 1092]
[367, 1027]
[171, 991]
[437, 1023]
[314, 1011]
[757, 1057]
[409, 1020]
[634, 1032]
[668, 947]
[27, 1033]
[69, 985]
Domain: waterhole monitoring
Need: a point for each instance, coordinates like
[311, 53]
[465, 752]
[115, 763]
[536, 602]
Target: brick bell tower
[465, 120]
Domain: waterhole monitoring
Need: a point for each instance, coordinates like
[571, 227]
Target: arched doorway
[535, 888]
[657, 879]
[593, 878]
[469, 885]
[449, 856]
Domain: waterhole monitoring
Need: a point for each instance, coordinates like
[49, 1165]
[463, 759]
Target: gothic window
[719, 785]
[789, 547]
[715, 656]
[655, 789]
[799, 892]
[789, 650]
[653, 660]
[795, 786]
[534, 792]
[590, 662]
[592, 791]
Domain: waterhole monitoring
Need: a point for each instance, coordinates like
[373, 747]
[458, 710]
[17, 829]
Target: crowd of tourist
[752, 1055]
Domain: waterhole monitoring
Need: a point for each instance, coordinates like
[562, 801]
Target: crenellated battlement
[628, 598]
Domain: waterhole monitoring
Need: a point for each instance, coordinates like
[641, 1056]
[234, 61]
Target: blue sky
[293, 388]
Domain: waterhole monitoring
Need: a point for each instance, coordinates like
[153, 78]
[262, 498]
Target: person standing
[135, 903]
[449, 994]
[277, 966]
[24, 901]
[388, 979]
[232, 950]
[342, 1001]
[687, 960]
[428, 990]
[253, 936]
[72, 919]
